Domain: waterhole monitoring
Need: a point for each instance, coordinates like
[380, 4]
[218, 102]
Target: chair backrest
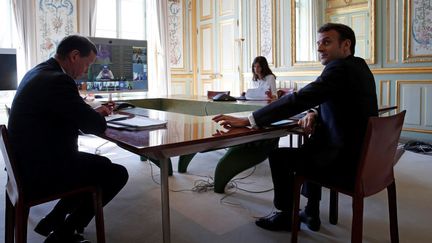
[8, 110]
[375, 170]
[13, 182]
[211, 94]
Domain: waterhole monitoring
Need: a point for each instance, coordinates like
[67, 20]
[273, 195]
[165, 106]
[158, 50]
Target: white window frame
[118, 29]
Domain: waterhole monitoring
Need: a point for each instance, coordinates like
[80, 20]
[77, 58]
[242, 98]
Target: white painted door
[218, 47]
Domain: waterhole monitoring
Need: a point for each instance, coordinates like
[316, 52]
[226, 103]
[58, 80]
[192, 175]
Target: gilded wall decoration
[175, 32]
[418, 31]
[55, 20]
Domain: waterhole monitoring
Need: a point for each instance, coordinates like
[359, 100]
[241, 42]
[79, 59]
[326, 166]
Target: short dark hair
[345, 33]
[75, 42]
[262, 61]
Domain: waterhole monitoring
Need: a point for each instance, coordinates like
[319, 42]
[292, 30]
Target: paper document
[116, 117]
[257, 94]
[137, 123]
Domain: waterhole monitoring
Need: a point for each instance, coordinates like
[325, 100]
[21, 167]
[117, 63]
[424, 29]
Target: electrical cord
[207, 184]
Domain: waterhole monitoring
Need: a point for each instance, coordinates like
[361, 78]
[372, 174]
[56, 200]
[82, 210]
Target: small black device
[123, 105]
[223, 97]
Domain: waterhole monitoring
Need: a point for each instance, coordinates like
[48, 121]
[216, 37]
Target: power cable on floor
[207, 184]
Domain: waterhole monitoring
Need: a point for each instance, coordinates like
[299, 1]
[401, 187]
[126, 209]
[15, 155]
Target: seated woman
[263, 77]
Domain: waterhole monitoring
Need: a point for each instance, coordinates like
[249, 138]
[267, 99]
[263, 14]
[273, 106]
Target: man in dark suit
[346, 86]
[46, 116]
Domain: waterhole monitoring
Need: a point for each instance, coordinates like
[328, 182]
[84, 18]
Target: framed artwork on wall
[54, 21]
[417, 31]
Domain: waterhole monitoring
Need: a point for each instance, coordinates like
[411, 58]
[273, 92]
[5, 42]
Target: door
[218, 47]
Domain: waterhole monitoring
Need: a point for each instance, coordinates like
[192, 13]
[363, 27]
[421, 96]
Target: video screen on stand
[120, 65]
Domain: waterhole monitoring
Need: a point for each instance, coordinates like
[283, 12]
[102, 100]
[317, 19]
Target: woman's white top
[268, 82]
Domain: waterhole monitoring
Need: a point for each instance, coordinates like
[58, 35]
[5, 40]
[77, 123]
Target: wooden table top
[186, 134]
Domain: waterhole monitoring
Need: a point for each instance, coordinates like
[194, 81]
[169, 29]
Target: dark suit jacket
[346, 96]
[47, 112]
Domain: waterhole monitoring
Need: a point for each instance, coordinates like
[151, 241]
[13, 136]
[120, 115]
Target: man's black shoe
[278, 221]
[47, 225]
[53, 237]
[313, 223]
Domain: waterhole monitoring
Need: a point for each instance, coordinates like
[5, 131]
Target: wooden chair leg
[9, 220]
[295, 226]
[333, 207]
[357, 220]
[394, 232]
[21, 213]
[100, 227]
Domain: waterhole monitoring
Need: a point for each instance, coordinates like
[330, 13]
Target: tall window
[8, 33]
[124, 19]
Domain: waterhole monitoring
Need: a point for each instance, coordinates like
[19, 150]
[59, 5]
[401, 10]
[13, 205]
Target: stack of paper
[257, 94]
[116, 117]
[137, 123]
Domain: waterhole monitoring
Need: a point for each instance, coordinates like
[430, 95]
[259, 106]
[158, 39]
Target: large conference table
[184, 134]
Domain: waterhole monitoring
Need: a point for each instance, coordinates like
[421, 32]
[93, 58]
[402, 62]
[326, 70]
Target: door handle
[215, 76]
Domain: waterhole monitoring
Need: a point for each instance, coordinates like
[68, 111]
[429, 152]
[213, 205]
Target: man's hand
[308, 122]
[105, 110]
[269, 94]
[231, 121]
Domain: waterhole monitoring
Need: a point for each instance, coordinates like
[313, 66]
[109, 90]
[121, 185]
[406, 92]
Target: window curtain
[25, 18]
[157, 36]
[87, 17]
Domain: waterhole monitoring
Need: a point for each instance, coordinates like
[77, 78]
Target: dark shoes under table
[281, 221]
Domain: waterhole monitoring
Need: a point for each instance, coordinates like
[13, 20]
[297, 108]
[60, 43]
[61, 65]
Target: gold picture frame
[417, 40]
[347, 8]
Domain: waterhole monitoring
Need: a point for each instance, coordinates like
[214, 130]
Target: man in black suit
[346, 86]
[46, 117]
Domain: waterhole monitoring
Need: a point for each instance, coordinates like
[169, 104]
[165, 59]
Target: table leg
[165, 200]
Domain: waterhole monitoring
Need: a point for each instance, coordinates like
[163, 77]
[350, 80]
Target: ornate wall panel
[206, 9]
[266, 29]
[392, 31]
[176, 34]
[226, 7]
[207, 85]
[179, 87]
[283, 36]
[227, 45]
[55, 19]
[415, 96]
[384, 93]
[206, 43]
